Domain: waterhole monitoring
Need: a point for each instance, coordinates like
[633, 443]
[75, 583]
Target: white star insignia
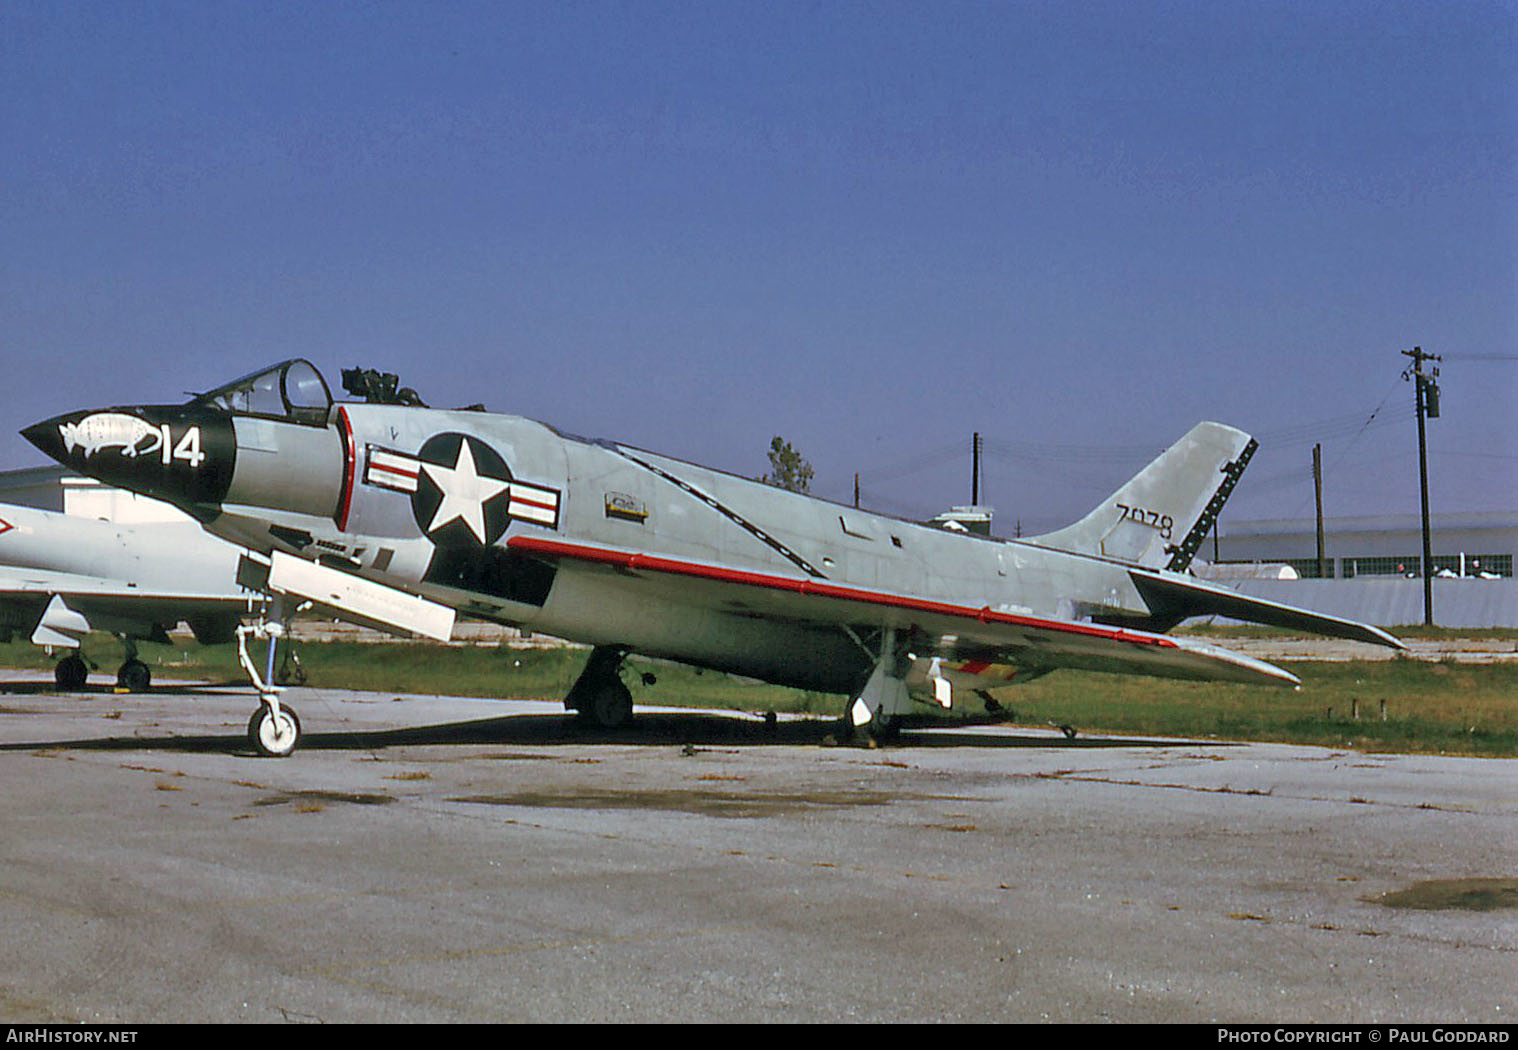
[465, 492]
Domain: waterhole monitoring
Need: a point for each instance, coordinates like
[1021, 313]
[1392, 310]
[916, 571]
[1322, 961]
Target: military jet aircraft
[63, 575]
[403, 516]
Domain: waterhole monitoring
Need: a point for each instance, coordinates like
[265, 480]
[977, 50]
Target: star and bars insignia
[462, 492]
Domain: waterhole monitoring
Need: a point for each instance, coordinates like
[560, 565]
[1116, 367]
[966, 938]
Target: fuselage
[369, 496]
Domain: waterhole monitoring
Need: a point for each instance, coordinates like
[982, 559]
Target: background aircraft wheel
[273, 737]
[610, 707]
[134, 676]
[884, 727]
[70, 673]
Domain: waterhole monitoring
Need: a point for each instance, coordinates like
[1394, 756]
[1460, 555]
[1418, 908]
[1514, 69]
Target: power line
[1092, 467]
[921, 461]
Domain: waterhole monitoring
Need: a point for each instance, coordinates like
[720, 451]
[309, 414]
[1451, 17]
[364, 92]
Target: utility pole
[975, 470]
[1426, 400]
[1317, 488]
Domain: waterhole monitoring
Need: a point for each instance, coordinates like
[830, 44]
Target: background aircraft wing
[937, 628]
[44, 601]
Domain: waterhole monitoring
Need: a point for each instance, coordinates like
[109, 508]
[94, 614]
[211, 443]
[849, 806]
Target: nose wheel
[274, 732]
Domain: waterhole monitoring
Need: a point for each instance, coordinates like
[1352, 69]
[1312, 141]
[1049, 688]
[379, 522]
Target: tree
[787, 469]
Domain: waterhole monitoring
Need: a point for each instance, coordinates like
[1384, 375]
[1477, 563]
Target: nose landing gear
[274, 729]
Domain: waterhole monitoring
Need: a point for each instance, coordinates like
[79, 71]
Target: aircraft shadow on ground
[91, 690]
[660, 729]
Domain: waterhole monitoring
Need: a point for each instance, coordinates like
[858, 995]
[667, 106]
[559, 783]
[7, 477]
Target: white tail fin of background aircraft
[1160, 517]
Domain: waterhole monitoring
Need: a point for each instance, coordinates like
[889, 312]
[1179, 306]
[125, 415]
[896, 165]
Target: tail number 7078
[1152, 518]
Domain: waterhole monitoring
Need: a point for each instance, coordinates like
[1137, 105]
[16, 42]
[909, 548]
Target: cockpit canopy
[292, 390]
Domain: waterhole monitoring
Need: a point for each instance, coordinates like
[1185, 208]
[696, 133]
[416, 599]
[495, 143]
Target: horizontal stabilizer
[1175, 598]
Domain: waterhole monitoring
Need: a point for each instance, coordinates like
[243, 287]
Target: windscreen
[291, 390]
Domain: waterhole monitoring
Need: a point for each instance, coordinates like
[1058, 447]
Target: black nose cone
[184, 454]
[47, 436]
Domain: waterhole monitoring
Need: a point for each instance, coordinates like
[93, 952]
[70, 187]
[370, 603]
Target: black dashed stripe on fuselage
[730, 514]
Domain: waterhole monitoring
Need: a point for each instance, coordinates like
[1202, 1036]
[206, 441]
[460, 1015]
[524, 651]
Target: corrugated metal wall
[1396, 601]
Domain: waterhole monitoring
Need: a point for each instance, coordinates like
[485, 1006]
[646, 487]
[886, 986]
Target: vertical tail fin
[1160, 517]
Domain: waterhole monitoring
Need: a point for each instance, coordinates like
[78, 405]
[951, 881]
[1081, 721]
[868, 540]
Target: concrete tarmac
[441, 859]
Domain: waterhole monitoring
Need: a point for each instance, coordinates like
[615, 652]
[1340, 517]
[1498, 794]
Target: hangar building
[1372, 566]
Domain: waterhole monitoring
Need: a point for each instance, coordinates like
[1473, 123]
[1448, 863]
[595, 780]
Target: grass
[1395, 705]
[1390, 705]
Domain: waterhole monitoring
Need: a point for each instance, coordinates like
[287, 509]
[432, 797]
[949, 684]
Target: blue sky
[1077, 228]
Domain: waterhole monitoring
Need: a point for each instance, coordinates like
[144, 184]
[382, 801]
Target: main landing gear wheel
[134, 676]
[70, 674]
[274, 736]
[599, 695]
[610, 707]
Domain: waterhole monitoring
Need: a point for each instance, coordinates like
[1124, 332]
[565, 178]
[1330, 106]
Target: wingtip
[1247, 669]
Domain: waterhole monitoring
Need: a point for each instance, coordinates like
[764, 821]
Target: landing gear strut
[878, 707]
[599, 694]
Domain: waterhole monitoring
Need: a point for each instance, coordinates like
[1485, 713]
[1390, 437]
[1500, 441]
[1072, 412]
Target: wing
[943, 628]
[59, 607]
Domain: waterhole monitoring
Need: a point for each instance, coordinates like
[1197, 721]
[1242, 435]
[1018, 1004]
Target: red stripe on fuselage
[531, 502]
[820, 589]
[375, 465]
[350, 465]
